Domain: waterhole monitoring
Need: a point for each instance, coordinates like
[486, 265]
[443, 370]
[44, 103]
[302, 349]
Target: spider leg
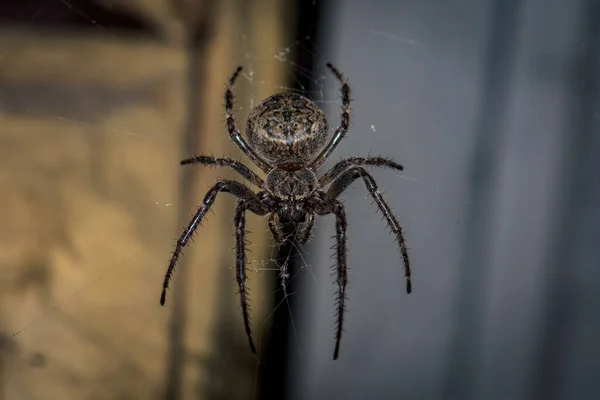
[236, 165]
[305, 232]
[240, 266]
[343, 128]
[275, 230]
[350, 175]
[344, 164]
[234, 133]
[237, 189]
[342, 270]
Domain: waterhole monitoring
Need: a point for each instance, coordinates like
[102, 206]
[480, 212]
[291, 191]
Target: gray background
[493, 112]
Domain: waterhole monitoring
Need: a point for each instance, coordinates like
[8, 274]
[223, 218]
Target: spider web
[52, 302]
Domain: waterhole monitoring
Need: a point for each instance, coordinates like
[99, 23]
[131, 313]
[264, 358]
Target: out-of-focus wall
[78, 207]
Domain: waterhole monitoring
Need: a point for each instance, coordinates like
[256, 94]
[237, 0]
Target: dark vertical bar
[274, 375]
[575, 190]
[465, 339]
[199, 37]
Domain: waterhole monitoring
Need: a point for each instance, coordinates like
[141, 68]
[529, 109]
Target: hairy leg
[240, 266]
[350, 175]
[236, 165]
[341, 270]
[343, 128]
[234, 133]
[346, 163]
[235, 188]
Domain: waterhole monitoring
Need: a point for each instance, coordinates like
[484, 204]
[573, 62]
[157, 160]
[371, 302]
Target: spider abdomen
[287, 128]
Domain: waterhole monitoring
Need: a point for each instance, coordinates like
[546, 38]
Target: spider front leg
[341, 226]
[324, 206]
[254, 203]
[350, 175]
[240, 265]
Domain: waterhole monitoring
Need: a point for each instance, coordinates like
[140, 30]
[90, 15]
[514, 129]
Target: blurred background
[492, 106]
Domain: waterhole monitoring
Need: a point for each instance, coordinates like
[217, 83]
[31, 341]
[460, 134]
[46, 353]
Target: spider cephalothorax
[288, 139]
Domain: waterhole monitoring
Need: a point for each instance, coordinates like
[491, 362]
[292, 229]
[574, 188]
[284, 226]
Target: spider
[287, 138]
